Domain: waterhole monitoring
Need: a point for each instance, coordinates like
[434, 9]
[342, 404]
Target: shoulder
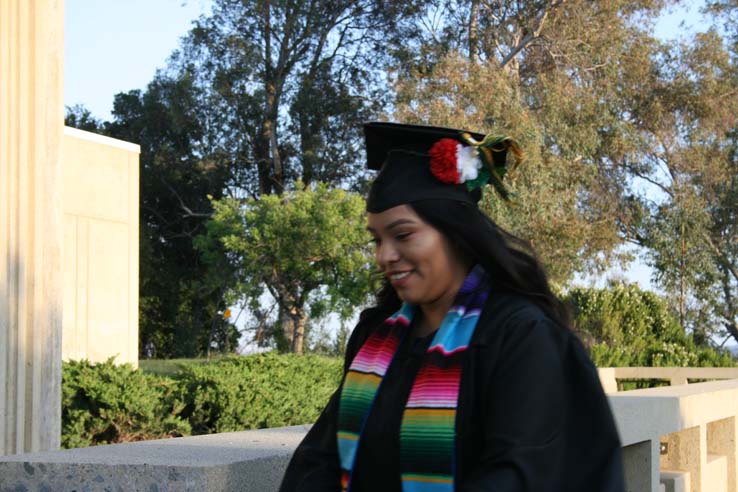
[509, 319]
[514, 331]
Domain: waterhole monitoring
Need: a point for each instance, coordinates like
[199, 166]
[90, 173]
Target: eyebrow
[394, 224]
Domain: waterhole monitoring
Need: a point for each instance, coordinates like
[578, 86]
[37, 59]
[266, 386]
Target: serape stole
[427, 445]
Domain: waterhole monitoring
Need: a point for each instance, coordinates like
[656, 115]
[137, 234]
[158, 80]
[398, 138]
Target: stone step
[249, 461]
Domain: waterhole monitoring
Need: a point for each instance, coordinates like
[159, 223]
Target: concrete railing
[675, 375]
[681, 438]
[678, 438]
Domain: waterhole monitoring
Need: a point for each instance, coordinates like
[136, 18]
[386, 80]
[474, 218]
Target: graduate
[465, 376]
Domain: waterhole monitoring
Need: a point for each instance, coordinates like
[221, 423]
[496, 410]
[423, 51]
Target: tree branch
[187, 211]
[534, 34]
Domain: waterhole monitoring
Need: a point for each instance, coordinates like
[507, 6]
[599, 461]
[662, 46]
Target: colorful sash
[427, 457]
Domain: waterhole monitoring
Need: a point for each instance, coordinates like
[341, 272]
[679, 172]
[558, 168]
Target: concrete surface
[697, 422]
[100, 182]
[675, 375]
[675, 481]
[249, 461]
[31, 122]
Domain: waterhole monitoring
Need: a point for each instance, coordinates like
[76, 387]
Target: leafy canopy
[307, 248]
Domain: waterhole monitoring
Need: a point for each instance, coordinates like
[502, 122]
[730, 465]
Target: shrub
[107, 403]
[626, 326]
[258, 391]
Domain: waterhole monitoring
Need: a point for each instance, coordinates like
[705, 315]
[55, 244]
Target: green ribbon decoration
[493, 151]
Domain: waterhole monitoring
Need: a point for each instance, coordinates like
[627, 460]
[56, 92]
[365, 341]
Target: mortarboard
[426, 162]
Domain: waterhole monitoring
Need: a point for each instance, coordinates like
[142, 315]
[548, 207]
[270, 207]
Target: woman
[464, 377]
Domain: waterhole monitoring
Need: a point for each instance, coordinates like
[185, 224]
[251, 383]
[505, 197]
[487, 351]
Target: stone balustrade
[675, 375]
[680, 438]
[677, 438]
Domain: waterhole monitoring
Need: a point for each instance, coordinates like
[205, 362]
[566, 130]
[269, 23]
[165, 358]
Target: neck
[433, 313]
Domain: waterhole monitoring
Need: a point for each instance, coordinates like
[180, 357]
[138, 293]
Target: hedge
[107, 403]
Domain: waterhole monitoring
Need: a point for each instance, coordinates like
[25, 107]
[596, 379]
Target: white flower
[467, 162]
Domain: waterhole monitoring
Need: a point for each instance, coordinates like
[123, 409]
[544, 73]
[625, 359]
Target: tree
[288, 85]
[80, 117]
[260, 94]
[687, 213]
[556, 75]
[308, 249]
[181, 297]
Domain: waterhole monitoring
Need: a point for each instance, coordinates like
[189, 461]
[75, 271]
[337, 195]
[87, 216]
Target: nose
[386, 254]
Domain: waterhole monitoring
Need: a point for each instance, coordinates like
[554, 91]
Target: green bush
[107, 403]
[258, 391]
[623, 325]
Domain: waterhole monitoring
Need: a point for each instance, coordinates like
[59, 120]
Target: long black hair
[510, 262]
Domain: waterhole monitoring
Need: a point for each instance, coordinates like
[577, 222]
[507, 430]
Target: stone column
[31, 125]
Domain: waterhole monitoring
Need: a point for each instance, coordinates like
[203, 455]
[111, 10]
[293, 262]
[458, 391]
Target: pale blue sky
[115, 46]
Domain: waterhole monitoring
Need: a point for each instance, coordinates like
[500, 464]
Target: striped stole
[427, 431]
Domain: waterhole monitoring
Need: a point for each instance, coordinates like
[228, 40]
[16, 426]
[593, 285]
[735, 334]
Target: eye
[403, 236]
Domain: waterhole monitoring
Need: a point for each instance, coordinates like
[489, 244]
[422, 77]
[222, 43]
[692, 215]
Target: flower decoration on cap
[475, 164]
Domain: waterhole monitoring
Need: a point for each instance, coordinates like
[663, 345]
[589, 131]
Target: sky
[114, 46]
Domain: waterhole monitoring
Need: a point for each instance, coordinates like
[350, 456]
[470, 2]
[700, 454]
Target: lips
[399, 278]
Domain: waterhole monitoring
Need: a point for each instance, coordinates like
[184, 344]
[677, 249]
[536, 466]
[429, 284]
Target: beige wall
[31, 122]
[100, 258]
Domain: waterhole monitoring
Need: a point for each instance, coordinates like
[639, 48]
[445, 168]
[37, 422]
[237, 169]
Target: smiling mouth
[399, 276]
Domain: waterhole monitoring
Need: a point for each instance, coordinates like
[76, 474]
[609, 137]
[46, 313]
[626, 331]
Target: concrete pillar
[31, 125]
[641, 472]
[686, 450]
[721, 440]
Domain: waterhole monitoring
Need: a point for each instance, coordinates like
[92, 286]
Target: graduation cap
[426, 162]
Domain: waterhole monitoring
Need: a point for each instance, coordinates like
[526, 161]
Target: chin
[409, 298]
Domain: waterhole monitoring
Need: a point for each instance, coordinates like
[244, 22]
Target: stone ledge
[249, 461]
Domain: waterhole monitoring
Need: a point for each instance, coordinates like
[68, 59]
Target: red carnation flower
[443, 161]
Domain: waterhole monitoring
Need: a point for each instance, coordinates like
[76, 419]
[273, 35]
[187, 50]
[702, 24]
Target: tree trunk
[682, 282]
[474, 32]
[299, 322]
[263, 162]
[271, 176]
[288, 329]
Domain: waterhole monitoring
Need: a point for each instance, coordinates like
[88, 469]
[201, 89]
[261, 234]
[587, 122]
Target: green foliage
[258, 391]
[555, 76]
[80, 117]
[307, 248]
[107, 403]
[180, 297]
[288, 85]
[167, 367]
[626, 326]
[683, 204]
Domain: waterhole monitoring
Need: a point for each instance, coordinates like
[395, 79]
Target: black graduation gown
[532, 415]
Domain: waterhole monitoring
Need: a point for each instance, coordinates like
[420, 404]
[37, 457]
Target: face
[416, 258]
